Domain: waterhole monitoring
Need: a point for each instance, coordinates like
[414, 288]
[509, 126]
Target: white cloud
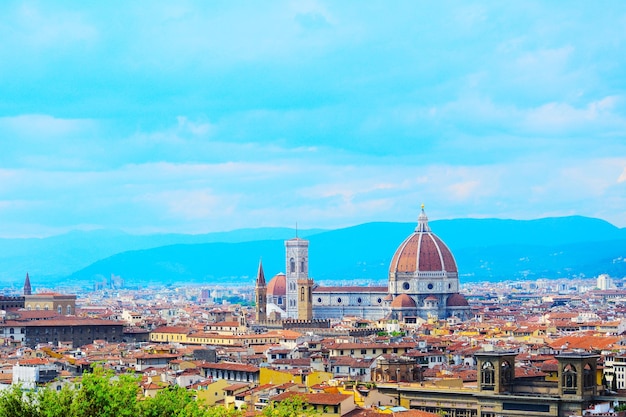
[41, 126]
[622, 177]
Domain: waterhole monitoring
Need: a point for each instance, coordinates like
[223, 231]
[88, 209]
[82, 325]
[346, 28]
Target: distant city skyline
[201, 117]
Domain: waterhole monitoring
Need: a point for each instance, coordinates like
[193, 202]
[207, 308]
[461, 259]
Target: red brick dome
[403, 301]
[277, 286]
[422, 251]
[457, 300]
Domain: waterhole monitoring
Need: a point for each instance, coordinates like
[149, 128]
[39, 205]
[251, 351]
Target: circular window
[358, 300]
[406, 285]
[430, 286]
[319, 300]
[380, 300]
[339, 300]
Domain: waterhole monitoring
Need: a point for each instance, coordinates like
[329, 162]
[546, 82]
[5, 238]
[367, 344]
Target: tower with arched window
[577, 374]
[496, 371]
[297, 267]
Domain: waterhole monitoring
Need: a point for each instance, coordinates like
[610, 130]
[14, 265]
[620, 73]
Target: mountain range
[484, 249]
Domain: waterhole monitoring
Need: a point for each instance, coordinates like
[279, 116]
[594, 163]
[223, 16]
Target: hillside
[485, 249]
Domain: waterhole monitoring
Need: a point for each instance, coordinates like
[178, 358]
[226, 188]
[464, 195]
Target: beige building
[63, 304]
[499, 392]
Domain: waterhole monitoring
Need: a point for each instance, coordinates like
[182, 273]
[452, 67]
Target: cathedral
[423, 283]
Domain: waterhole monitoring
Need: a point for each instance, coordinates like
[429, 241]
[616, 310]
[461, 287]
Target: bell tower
[305, 299]
[27, 288]
[260, 293]
[496, 371]
[297, 267]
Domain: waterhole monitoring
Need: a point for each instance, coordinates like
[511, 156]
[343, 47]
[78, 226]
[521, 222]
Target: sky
[195, 116]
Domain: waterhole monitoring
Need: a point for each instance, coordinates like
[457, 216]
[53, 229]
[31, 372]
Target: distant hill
[48, 259]
[485, 249]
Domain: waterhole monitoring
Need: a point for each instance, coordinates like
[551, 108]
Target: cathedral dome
[277, 286]
[422, 251]
[403, 301]
[457, 300]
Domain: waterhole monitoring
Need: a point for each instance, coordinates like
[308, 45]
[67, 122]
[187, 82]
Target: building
[605, 282]
[63, 304]
[77, 332]
[500, 392]
[423, 283]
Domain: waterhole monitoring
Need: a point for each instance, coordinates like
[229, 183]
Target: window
[339, 300]
[569, 377]
[292, 265]
[69, 310]
[60, 310]
[405, 285]
[319, 299]
[487, 374]
[430, 286]
[301, 266]
[358, 300]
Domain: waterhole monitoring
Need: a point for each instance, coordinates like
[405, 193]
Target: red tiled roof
[230, 366]
[318, 398]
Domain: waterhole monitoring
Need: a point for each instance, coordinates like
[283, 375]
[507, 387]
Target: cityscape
[314, 207]
[422, 343]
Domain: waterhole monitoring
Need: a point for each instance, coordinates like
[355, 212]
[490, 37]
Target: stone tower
[27, 289]
[297, 267]
[260, 292]
[305, 299]
[496, 371]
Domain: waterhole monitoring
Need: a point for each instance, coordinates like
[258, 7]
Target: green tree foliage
[16, 403]
[294, 406]
[104, 394]
[172, 402]
[101, 393]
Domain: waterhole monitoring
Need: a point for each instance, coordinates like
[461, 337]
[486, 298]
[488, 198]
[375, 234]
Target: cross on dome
[422, 222]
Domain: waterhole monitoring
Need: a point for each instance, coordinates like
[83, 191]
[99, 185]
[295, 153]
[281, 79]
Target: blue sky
[191, 117]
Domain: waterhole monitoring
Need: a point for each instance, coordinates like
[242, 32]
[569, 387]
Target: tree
[55, 403]
[294, 406]
[172, 402]
[104, 394]
[16, 403]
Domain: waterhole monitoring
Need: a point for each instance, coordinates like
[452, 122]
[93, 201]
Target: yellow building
[64, 304]
[211, 393]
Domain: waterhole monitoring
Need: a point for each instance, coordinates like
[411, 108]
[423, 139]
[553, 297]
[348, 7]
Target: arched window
[69, 310]
[506, 373]
[588, 376]
[487, 373]
[302, 266]
[301, 293]
[292, 265]
[12, 330]
[569, 377]
[59, 309]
